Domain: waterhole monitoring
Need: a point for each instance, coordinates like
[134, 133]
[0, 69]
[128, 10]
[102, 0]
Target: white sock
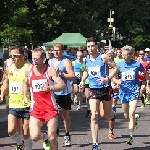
[28, 144]
[131, 134]
[88, 105]
[17, 138]
[45, 136]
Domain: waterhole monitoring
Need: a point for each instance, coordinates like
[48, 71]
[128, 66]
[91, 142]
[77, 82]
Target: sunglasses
[142, 54]
[14, 55]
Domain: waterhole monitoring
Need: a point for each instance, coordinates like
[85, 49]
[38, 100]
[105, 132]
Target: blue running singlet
[129, 88]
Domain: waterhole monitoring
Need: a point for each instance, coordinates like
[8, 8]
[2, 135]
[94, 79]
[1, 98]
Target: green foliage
[38, 21]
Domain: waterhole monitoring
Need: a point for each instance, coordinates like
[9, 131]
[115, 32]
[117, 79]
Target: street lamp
[110, 28]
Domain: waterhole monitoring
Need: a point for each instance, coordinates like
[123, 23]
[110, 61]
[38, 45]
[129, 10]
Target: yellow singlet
[16, 81]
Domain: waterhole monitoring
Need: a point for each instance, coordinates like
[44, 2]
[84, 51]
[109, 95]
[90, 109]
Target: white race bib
[36, 84]
[94, 71]
[77, 74]
[15, 87]
[128, 75]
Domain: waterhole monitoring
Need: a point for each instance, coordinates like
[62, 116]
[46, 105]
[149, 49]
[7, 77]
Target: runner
[78, 94]
[129, 88]
[43, 106]
[87, 93]
[114, 97]
[64, 97]
[142, 77]
[97, 71]
[119, 57]
[14, 79]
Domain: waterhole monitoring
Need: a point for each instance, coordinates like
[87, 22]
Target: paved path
[81, 135]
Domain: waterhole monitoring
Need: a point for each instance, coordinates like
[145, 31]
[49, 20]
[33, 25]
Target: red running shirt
[142, 75]
[42, 102]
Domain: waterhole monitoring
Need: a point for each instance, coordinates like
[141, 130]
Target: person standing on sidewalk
[97, 71]
[129, 87]
[13, 84]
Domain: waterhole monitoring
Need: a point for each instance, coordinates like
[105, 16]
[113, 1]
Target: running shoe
[95, 147]
[130, 140]
[46, 145]
[67, 140]
[88, 113]
[137, 116]
[142, 106]
[75, 100]
[78, 107]
[148, 103]
[111, 135]
[20, 147]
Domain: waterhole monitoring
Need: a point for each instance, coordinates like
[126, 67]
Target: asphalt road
[81, 135]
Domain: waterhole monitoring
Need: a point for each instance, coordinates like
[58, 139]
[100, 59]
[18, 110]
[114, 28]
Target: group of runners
[34, 91]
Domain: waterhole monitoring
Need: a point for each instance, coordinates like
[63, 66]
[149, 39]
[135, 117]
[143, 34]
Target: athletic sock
[17, 138]
[28, 144]
[67, 134]
[131, 134]
[45, 136]
[111, 129]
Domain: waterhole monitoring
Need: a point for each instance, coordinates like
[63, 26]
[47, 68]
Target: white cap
[147, 49]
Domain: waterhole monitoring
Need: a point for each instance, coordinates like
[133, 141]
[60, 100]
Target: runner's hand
[103, 80]
[25, 102]
[45, 88]
[81, 85]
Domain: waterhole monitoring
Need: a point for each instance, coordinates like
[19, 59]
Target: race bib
[36, 84]
[15, 87]
[77, 74]
[94, 71]
[128, 75]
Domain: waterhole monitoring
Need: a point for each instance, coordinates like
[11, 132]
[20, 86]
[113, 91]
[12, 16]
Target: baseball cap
[147, 49]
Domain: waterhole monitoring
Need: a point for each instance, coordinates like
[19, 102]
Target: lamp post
[110, 20]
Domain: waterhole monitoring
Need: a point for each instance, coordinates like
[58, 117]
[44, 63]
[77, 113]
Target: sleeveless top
[142, 76]
[77, 68]
[41, 99]
[16, 81]
[96, 69]
[62, 68]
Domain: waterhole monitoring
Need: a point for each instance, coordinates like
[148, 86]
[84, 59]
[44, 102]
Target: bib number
[77, 74]
[128, 75]
[94, 71]
[15, 87]
[36, 84]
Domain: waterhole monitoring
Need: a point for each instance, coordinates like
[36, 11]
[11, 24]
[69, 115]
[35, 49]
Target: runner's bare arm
[5, 86]
[108, 61]
[70, 73]
[26, 82]
[84, 76]
[60, 85]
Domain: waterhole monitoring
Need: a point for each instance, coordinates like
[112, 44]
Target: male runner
[14, 79]
[40, 78]
[97, 71]
[129, 86]
[78, 94]
[142, 78]
[64, 66]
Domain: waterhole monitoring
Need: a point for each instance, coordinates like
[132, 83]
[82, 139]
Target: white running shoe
[67, 140]
[78, 107]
